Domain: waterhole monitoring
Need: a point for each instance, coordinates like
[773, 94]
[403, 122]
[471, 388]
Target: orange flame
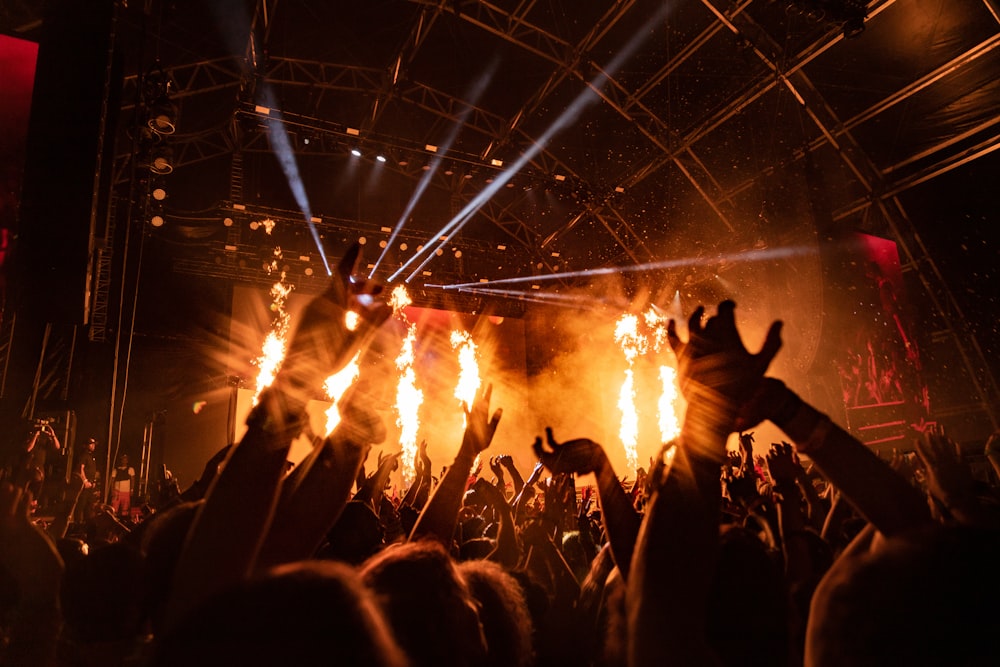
[468, 375]
[633, 344]
[408, 402]
[670, 424]
[274, 347]
[335, 386]
[408, 397]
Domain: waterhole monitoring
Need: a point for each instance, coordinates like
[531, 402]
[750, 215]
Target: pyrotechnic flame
[336, 385]
[629, 431]
[633, 344]
[657, 325]
[273, 349]
[468, 364]
[408, 397]
[399, 299]
[670, 424]
[351, 320]
[408, 402]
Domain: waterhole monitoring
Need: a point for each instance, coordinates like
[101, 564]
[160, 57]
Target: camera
[42, 422]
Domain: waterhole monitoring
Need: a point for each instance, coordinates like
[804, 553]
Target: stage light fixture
[496, 163]
[380, 158]
[254, 225]
[162, 116]
[430, 148]
[161, 160]
[403, 247]
[227, 222]
[355, 152]
[159, 194]
[362, 240]
[156, 221]
[353, 131]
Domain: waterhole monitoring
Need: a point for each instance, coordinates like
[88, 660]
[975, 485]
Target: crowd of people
[810, 551]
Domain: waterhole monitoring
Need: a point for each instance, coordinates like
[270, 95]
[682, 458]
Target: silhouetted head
[303, 614]
[432, 613]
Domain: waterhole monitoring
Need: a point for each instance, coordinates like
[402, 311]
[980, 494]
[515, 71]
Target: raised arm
[315, 494]
[226, 534]
[868, 483]
[439, 516]
[581, 457]
[675, 558]
[507, 461]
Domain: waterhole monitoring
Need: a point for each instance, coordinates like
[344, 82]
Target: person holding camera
[30, 472]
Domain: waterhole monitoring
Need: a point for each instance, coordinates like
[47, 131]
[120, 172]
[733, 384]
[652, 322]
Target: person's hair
[304, 613]
[101, 595]
[926, 598]
[355, 536]
[427, 603]
[750, 586]
[503, 612]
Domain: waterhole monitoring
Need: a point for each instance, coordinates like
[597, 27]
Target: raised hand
[536, 474]
[782, 464]
[949, 478]
[496, 467]
[714, 363]
[480, 426]
[574, 457]
[326, 338]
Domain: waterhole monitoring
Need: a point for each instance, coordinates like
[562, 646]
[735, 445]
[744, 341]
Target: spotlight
[430, 148]
[380, 158]
[162, 116]
[227, 222]
[156, 221]
[161, 160]
[254, 225]
[159, 194]
[355, 152]
[496, 163]
[308, 271]
[403, 247]
[458, 254]
[362, 240]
